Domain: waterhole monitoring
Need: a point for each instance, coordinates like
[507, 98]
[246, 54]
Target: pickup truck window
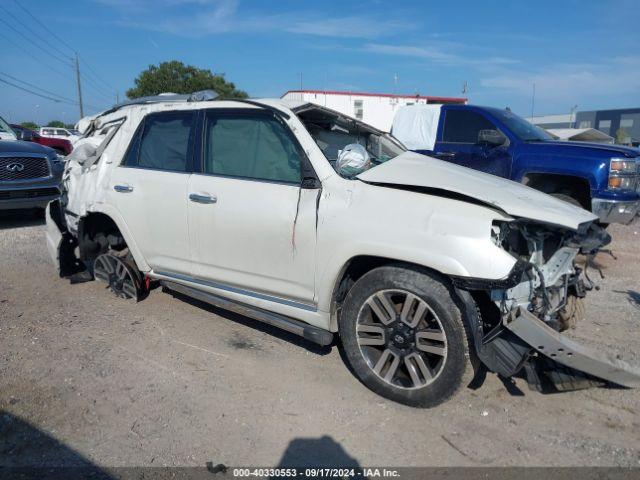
[461, 126]
[522, 129]
[250, 145]
[164, 143]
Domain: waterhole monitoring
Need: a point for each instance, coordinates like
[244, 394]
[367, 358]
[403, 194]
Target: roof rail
[200, 96]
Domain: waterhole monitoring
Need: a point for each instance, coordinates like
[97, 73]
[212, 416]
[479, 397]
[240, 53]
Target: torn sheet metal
[565, 351]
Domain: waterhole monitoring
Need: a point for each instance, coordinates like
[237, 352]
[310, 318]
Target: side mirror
[491, 138]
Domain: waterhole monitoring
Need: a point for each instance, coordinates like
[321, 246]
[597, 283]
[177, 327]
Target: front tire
[404, 337]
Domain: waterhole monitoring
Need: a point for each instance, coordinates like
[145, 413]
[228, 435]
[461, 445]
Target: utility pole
[79, 87]
[533, 100]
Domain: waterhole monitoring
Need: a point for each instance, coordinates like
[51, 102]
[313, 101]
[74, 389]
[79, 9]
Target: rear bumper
[615, 211]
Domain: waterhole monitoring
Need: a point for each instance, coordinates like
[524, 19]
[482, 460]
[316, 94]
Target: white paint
[512, 197]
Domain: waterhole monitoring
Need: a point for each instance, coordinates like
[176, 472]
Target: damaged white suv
[425, 270]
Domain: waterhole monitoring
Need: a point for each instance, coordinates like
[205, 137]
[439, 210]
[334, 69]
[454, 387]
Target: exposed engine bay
[520, 317]
[552, 285]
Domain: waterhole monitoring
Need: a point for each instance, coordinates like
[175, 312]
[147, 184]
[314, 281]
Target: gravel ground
[85, 377]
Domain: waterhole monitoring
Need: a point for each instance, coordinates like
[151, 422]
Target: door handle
[123, 188]
[446, 155]
[202, 198]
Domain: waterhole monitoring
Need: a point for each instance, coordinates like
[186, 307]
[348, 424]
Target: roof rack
[200, 96]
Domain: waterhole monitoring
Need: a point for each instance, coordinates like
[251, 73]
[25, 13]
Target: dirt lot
[87, 377]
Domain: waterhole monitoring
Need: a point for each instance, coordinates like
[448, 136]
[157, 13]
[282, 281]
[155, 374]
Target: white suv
[424, 270]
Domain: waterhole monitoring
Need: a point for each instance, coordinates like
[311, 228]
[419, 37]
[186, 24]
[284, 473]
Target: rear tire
[404, 337]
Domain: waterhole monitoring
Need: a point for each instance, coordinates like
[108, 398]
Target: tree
[30, 125]
[56, 124]
[176, 77]
[622, 137]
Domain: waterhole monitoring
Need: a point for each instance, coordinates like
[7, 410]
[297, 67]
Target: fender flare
[115, 216]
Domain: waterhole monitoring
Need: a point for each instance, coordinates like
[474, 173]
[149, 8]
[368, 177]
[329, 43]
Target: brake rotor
[122, 278]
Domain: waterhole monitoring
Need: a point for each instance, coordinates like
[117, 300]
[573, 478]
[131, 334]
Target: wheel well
[357, 267]
[575, 187]
[98, 233]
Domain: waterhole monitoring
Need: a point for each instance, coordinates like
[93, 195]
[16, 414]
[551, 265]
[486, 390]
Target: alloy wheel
[401, 338]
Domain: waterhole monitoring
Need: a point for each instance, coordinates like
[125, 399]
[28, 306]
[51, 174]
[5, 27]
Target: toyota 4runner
[319, 224]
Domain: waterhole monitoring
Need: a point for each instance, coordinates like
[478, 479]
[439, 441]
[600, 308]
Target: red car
[61, 145]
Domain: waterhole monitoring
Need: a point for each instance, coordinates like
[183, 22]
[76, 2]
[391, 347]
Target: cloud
[571, 82]
[441, 53]
[197, 18]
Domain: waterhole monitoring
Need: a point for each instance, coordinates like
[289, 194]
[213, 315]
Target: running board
[565, 351]
[291, 325]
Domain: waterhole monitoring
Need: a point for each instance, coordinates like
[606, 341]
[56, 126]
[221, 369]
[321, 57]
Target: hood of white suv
[415, 170]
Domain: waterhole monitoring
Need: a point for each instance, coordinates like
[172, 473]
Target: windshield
[525, 131]
[5, 128]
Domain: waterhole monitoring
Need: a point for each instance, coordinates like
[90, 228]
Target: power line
[50, 95]
[44, 40]
[32, 92]
[96, 87]
[36, 87]
[85, 63]
[110, 87]
[40, 62]
[44, 26]
[31, 41]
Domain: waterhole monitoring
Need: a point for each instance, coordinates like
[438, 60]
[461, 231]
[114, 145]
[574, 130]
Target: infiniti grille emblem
[15, 167]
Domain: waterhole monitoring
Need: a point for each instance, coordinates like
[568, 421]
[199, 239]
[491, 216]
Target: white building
[376, 109]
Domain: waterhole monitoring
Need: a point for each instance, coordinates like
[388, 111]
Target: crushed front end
[517, 320]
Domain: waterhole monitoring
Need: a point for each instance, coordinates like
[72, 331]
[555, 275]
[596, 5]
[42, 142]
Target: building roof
[580, 135]
[428, 98]
[555, 118]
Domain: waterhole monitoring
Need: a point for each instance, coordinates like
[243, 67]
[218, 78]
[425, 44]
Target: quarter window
[250, 145]
[463, 127]
[163, 143]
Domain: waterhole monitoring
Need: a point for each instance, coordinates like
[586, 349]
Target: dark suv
[30, 175]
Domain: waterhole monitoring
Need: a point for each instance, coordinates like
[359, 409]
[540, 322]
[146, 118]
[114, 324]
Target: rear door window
[163, 142]
[251, 145]
[462, 126]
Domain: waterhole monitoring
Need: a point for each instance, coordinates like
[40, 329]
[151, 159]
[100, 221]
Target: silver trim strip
[229, 288]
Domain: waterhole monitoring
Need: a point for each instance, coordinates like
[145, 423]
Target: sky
[584, 53]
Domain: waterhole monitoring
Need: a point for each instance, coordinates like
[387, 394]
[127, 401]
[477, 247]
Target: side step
[291, 325]
[565, 351]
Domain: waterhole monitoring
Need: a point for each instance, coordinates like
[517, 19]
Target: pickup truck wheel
[404, 337]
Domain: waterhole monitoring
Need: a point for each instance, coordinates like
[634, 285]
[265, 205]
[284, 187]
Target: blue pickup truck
[602, 178]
